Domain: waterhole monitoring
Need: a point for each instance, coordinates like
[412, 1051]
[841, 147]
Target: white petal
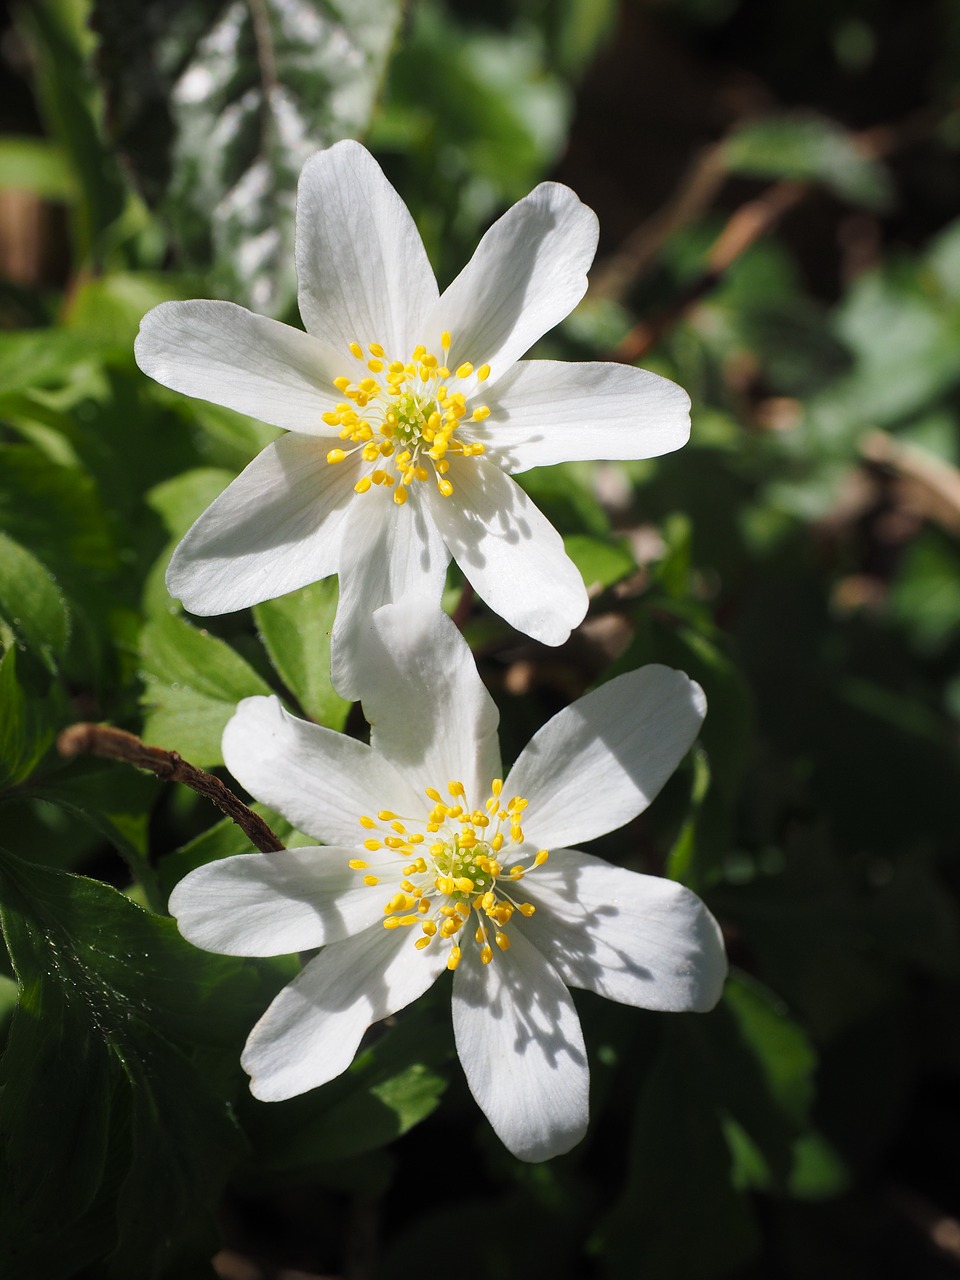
[223, 353]
[275, 528]
[321, 781]
[311, 1031]
[364, 274]
[272, 904]
[547, 411]
[528, 272]
[636, 939]
[600, 761]
[388, 553]
[510, 551]
[428, 709]
[519, 1039]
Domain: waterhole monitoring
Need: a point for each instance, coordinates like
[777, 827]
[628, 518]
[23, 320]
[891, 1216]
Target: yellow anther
[356, 350]
[455, 788]
[444, 884]
[331, 419]
[480, 412]
[391, 922]
[371, 880]
[450, 927]
[375, 349]
[400, 496]
[517, 872]
[502, 941]
[341, 384]
[375, 366]
[419, 352]
[395, 367]
[357, 864]
[378, 476]
[445, 339]
[421, 943]
[362, 485]
[489, 901]
[429, 927]
[465, 370]
[430, 361]
[372, 845]
[423, 906]
[393, 842]
[526, 909]
[541, 857]
[393, 819]
[483, 373]
[453, 959]
[407, 887]
[464, 885]
[336, 455]
[445, 487]
[486, 954]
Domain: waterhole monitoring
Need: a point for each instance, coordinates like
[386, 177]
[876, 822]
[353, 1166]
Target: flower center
[403, 417]
[452, 870]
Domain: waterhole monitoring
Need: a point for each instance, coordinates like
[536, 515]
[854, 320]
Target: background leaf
[272, 83]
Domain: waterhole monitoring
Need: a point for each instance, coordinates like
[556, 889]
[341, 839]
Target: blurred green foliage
[800, 558]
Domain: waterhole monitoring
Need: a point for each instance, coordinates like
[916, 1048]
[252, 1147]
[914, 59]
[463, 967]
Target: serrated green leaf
[217, 105]
[295, 630]
[92, 1069]
[31, 603]
[192, 684]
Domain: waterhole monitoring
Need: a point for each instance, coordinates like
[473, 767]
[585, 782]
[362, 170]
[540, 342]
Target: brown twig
[697, 190]
[744, 227]
[117, 744]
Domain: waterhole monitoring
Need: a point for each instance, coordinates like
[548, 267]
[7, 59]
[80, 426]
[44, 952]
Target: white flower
[433, 863]
[407, 413]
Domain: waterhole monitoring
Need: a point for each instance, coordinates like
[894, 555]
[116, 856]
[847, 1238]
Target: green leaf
[295, 630]
[192, 684]
[36, 165]
[601, 562]
[61, 46]
[26, 728]
[677, 1201]
[217, 105]
[92, 1071]
[31, 603]
[762, 1066]
[79, 540]
[389, 1088]
[115, 801]
[223, 840]
[809, 149]
[42, 358]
